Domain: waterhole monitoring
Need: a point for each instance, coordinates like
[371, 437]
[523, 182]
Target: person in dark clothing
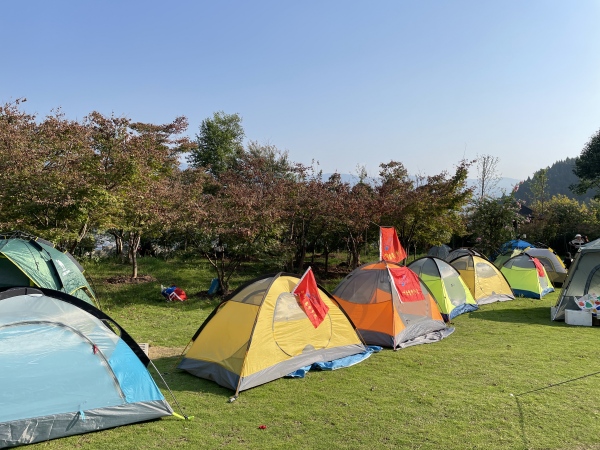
[568, 260]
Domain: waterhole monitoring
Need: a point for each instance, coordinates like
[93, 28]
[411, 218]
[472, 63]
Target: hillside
[560, 177]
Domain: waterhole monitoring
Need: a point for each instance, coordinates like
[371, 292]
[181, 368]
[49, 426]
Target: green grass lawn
[454, 394]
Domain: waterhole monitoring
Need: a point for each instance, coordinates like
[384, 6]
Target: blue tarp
[336, 363]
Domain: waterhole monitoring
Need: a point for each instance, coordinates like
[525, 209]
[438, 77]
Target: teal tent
[28, 261]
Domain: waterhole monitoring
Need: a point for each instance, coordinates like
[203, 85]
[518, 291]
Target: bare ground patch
[156, 352]
[130, 280]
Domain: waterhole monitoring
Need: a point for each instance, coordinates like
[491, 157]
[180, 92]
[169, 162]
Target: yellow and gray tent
[445, 283]
[34, 262]
[260, 333]
[484, 280]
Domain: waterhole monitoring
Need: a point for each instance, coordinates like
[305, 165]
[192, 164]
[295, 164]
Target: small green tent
[29, 261]
[448, 288]
[527, 276]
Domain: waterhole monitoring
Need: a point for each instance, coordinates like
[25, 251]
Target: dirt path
[156, 352]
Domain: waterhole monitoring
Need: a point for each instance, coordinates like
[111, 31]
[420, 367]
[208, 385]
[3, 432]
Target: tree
[539, 190]
[133, 163]
[46, 187]
[491, 221]
[241, 215]
[425, 210]
[587, 167]
[487, 175]
[220, 143]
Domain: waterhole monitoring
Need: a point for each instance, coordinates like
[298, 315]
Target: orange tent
[373, 296]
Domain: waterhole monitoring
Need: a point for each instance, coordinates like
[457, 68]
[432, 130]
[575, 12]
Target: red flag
[407, 284]
[390, 248]
[538, 266]
[309, 299]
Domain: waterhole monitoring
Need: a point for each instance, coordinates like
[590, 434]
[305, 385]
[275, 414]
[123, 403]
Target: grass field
[454, 394]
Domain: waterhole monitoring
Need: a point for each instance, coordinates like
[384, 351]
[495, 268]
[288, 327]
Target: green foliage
[560, 180]
[219, 143]
[427, 210]
[587, 167]
[492, 222]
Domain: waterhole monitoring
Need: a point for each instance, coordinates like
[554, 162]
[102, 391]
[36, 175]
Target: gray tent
[439, 251]
[583, 278]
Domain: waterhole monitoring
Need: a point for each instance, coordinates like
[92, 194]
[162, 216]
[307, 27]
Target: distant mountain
[505, 185]
[560, 177]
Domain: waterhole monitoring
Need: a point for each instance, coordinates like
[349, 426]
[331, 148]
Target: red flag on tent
[538, 266]
[390, 248]
[309, 299]
[407, 284]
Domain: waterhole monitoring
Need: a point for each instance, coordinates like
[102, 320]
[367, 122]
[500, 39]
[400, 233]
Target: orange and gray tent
[484, 280]
[448, 288]
[382, 315]
[260, 333]
[527, 276]
[67, 368]
[29, 261]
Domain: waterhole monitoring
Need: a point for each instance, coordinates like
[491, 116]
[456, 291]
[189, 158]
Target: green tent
[449, 290]
[527, 276]
[28, 261]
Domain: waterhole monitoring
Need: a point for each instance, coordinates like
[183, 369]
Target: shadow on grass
[539, 315]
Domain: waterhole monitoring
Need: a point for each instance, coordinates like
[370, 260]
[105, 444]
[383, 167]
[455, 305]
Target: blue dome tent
[68, 368]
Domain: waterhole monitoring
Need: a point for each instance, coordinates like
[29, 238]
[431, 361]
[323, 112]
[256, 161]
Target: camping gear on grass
[260, 333]
[390, 306]
[30, 261]
[448, 288]
[173, 293]
[484, 280]
[68, 368]
[527, 276]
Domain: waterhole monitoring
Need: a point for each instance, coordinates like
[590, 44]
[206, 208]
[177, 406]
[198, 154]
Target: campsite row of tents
[257, 334]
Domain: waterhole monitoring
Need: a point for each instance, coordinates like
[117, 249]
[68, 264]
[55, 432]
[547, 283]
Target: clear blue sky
[343, 82]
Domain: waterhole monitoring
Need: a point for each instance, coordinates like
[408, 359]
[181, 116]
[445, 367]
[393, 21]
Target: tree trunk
[134, 243]
[82, 233]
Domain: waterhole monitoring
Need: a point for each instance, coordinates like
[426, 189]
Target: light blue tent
[64, 371]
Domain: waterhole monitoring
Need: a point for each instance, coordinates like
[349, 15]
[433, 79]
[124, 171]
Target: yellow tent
[260, 333]
[484, 280]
